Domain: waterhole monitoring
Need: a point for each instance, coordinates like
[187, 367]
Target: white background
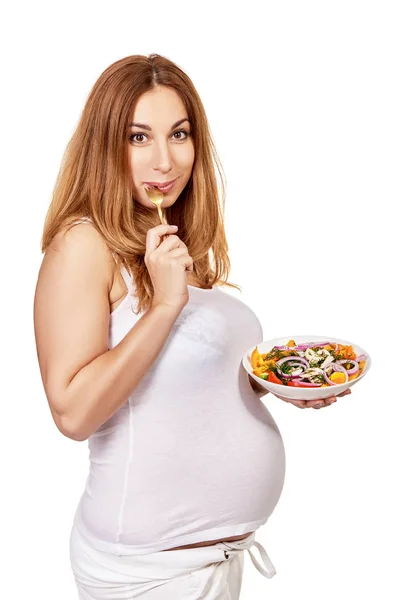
[303, 103]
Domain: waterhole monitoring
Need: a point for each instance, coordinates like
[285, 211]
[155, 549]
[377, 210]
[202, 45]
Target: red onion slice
[283, 348]
[286, 376]
[295, 359]
[306, 345]
[354, 369]
[335, 367]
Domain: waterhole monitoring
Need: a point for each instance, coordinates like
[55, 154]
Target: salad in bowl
[306, 367]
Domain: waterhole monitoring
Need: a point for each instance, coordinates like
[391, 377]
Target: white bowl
[297, 393]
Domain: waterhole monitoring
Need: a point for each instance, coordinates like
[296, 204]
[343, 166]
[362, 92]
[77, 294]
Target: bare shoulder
[81, 242]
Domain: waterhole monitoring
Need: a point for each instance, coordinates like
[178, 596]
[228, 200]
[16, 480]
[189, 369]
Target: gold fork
[156, 197]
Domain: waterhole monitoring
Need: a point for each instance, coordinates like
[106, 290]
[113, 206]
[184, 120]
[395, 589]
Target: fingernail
[318, 405]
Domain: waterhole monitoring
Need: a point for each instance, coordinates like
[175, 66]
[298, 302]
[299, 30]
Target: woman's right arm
[85, 382]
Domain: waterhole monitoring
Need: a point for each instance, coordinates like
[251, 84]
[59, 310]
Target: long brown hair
[94, 179]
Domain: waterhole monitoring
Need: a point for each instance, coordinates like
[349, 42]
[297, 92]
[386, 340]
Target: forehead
[161, 106]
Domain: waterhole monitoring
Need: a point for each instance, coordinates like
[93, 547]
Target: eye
[182, 131]
[135, 135]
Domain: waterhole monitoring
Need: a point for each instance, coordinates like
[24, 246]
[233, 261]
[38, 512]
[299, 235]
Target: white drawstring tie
[267, 568]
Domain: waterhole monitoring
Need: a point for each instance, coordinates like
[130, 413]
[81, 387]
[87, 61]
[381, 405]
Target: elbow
[74, 433]
[69, 430]
[76, 436]
[62, 417]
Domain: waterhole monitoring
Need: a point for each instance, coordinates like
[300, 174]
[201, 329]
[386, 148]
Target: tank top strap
[128, 280]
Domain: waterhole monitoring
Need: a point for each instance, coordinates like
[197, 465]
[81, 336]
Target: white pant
[206, 572]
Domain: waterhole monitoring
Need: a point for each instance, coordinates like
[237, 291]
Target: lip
[159, 184]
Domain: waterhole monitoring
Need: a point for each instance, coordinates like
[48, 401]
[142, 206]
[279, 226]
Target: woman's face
[160, 150]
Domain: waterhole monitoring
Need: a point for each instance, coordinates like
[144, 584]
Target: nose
[162, 159]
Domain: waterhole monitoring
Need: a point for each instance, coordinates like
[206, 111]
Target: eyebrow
[143, 126]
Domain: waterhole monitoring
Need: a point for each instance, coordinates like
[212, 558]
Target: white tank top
[193, 455]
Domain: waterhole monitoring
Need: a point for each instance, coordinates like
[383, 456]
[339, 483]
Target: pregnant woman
[140, 350]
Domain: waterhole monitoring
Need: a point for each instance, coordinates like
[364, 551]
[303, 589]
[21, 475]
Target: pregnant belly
[222, 476]
[224, 481]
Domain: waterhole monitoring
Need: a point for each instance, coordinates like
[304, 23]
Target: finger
[298, 403]
[330, 400]
[321, 402]
[318, 402]
[171, 242]
[155, 234]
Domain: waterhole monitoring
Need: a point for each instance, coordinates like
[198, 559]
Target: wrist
[167, 309]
